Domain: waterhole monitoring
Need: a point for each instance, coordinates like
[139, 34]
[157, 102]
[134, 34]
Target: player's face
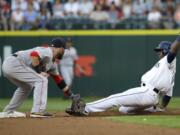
[59, 53]
[68, 45]
[160, 54]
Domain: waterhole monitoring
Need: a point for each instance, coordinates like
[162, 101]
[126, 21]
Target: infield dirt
[63, 124]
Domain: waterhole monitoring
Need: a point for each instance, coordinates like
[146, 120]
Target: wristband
[62, 84]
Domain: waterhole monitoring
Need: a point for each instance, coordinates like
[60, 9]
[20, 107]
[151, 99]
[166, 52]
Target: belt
[15, 55]
[155, 89]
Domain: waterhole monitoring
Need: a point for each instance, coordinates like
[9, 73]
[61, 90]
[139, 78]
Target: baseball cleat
[71, 112]
[13, 114]
[41, 115]
[84, 113]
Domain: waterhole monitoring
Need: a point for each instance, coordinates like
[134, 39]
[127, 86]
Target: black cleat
[41, 115]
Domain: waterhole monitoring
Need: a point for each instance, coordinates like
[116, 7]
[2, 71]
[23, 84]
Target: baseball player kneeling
[29, 70]
[156, 82]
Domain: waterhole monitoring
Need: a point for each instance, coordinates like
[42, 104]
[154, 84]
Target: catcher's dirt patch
[64, 124]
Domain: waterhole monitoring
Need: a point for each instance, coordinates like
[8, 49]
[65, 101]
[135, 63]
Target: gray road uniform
[19, 71]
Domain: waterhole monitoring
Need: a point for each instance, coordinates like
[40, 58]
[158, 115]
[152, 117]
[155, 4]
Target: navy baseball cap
[58, 42]
[164, 45]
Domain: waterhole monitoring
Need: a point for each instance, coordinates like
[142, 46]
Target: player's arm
[165, 101]
[79, 67]
[62, 85]
[161, 107]
[174, 50]
[35, 61]
[35, 58]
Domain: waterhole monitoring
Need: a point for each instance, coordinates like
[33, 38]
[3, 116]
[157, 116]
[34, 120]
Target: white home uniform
[19, 71]
[157, 81]
[67, 65]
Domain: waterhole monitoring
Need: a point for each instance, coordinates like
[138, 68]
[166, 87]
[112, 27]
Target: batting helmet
[58, 42]
[163, 46]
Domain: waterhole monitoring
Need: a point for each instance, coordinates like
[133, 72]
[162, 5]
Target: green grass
[157, 120]
[53, 104]
[174, 103]
[59, 104]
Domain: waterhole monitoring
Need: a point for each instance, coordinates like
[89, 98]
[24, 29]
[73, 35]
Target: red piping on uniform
[57, 78]
[34, 53]
[41, 95]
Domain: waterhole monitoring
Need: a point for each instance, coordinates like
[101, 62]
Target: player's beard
[59, 56]
[160, 55]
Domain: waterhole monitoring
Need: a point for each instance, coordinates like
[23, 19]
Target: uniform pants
[26, 79]
[67, 73]
[130, 100]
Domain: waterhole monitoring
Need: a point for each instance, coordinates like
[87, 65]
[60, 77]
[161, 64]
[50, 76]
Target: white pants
[130, 100]
[67, 73]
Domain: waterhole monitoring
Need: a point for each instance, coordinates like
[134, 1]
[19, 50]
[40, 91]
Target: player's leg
[40, 95]
[14, 68]
[66, 75]
[71, 74]
[127, 110]
[21, 93]
[130, 110]
[140, 96]
[18, 98]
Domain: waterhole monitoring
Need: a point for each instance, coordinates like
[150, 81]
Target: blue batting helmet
[58, 42]
[163, 46]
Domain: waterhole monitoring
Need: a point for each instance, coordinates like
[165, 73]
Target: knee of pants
[43, 80]
[123, 109]
[127, 110]
[28, 87]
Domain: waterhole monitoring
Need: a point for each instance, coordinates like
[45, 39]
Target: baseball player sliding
[29, 70]
[158, 81]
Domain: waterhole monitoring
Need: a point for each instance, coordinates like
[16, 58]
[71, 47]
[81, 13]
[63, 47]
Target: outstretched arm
[174, 50]
[175, 46]
[62, 85]
[161, 107]
[165, 101]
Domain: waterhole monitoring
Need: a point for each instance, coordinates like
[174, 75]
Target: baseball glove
[77, 107]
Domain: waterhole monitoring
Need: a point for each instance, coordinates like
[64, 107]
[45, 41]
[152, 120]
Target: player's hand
[67, 92]
[159, 109]
[44, 74]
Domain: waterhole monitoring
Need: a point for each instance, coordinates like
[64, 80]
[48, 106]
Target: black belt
[15, 55]
[155, 90]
